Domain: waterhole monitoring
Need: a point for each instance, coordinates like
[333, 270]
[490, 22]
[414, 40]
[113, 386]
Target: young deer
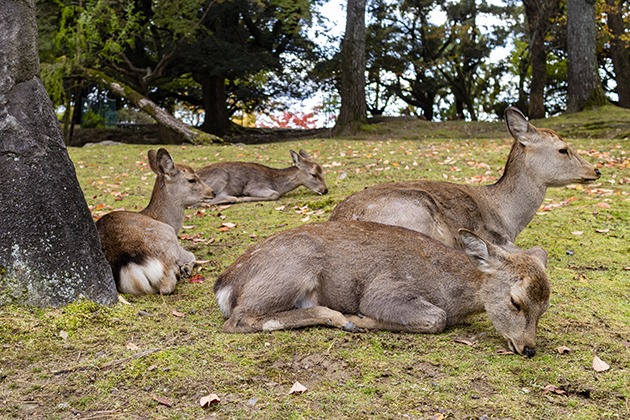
[539, 159]
[362, 275]
[142, 248]
[238, 182]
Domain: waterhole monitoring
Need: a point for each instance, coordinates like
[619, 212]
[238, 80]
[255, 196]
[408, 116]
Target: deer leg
[243, 322]
[397, 310]
[185, 262]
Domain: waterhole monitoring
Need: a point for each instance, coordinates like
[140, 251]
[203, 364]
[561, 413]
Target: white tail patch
[224, 299]
[140, 279]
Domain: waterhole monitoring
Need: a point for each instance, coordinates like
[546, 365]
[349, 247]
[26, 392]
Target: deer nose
[598, 173]
[529, 352]
[325, 191]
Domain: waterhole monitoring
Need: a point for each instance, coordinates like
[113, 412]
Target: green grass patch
[86, 360]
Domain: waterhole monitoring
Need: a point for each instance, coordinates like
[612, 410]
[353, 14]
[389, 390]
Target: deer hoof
[186, 270]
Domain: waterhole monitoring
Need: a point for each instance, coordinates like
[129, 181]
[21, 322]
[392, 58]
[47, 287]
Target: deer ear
[539, 253]
[297, 159]
[304, 154]
[152, 155]
[517, 124]
[165, 163]
[477, 250]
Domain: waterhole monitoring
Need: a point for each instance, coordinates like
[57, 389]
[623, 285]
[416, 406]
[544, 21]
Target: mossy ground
[90, 361]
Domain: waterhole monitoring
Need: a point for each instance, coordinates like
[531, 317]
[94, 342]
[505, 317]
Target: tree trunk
[216, 120]
[584, 86]
[619, 52]
[539, 14]
[50, 253]
[162, 117]
[353, 111]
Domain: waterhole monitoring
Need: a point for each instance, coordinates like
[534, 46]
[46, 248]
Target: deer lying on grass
[361, 275]
[238, 182]
[142, 248]
[539, 159]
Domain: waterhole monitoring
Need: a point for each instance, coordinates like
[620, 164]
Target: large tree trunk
[166, 120]
[584, 86]
[353, 111]
[539, 14]
[619, 52]
[50, 254]
[216, 120]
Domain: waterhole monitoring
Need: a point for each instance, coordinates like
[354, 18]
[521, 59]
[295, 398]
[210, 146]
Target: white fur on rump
[224, 299]
[139, 279]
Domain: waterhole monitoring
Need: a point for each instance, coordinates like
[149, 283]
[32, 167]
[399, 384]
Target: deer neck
[286, 179]
[517, 196]
[467, 297]
[162, 209]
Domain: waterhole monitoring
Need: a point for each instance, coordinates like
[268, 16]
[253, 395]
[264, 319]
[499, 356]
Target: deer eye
[314, 175]
[192, 180]
[515, 304]
[564, 151]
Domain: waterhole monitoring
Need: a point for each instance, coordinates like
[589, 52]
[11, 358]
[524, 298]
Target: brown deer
[499, 212]
[238, 182]
[362, 275]
[142, 248]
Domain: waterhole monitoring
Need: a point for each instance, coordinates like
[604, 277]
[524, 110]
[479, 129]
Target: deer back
[539, 158]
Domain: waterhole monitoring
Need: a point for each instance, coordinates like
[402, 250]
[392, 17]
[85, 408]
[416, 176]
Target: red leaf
[197, 278]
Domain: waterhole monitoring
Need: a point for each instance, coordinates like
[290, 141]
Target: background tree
[619, 47]
[49, 248]
[540, 15]
[584, 86]
[353, 111]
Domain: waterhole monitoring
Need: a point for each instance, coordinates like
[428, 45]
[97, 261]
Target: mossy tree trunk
[584, 86]
[50, 253]
[166, 120]
[353, 111]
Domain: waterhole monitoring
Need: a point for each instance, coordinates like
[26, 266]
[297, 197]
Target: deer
[539, 158]
[142, 247]
[238, 182]
[361, 276]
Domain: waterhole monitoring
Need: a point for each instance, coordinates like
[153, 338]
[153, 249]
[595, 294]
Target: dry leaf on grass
[121, 299]
[209, 399]
[554, 390]
[162, 400]
[563, 350]
[178, 314]
[132, 346]
[197, 278]
[464, 341]
[63, 334]
[297, 388]
[599, 365]
[504, 351]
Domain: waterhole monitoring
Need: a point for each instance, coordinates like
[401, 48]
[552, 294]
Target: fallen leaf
[162, 400]
[132, 346]
[563, 350]
[121, 299]
[602, 230]
[577, 232]
[201, 262]
[63, 334]
[196, 278]
[603, 205]
[229, 225]
[438, 416]
[464, 341]
[504, 351]
[209, 399]
[178, 314]
[188, 227]
[554, 389]
[297, 388]
[599, 365]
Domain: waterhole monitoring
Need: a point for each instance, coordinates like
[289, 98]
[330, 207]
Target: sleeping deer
[238, 182]
[539, 158]
[142, 248]
[362, 275]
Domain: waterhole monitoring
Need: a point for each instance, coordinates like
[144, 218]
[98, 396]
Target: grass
[90, 361]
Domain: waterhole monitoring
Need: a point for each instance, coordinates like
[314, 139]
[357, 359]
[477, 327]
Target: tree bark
[166, 120]
[619, 52]
[216, 120]
[50, 253]
[353, 111]
[539, 14]
[584, 86]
